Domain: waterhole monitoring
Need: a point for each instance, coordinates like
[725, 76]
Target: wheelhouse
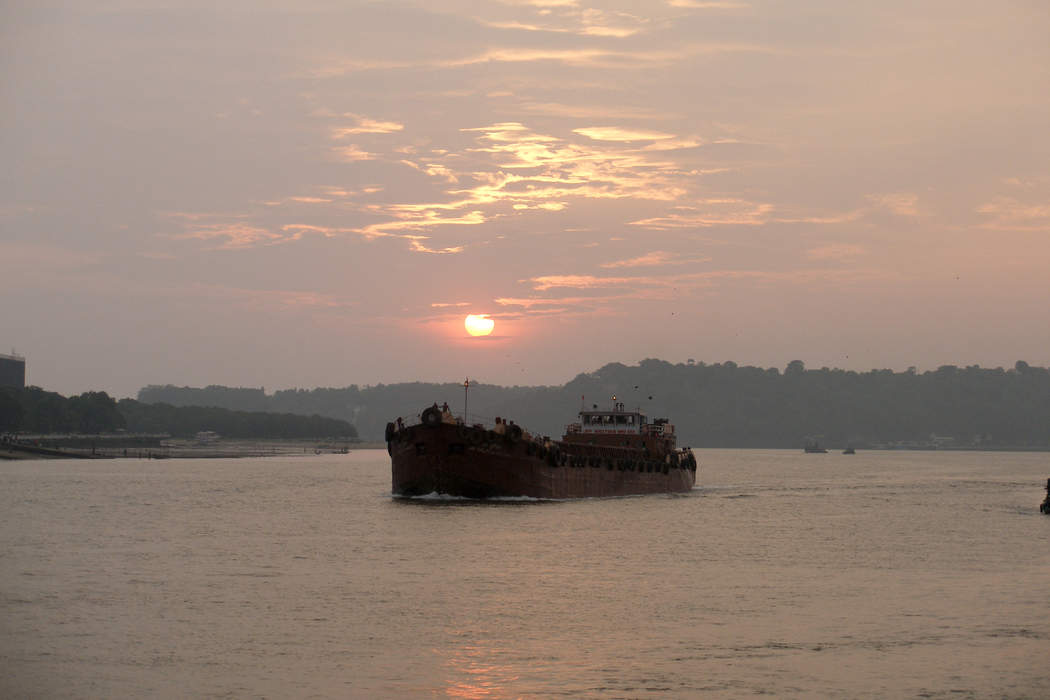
[619, 421]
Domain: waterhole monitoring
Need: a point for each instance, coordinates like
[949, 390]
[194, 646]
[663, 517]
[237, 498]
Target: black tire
[431, 417]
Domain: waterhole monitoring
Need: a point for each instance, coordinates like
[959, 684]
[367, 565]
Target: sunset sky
[314, 193]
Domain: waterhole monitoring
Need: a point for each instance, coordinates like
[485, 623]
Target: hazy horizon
[318, 193]
[589, 371]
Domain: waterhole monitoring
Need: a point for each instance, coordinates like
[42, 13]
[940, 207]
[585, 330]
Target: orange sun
[479, 324]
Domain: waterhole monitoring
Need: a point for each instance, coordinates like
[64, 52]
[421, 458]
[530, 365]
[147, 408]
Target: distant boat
[849, 451]
[207, 437]
[813, 447]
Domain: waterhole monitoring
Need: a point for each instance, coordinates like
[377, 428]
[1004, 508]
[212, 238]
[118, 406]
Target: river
[880, 574]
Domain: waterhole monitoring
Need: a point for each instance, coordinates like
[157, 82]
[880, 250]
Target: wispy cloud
[1012, 214]
[899, 203]
[729, 211]
[352, 154]
[514, 169]
[615, 133]
[656, 258]
[416, 242]
[570, 18]
[626, 60]
[838, 252]
[611, 295]
[584, 111]
[705, 5]
[237, 235]
[365, 125]
[546, 282]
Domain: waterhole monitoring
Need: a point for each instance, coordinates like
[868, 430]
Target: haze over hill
[718, 405]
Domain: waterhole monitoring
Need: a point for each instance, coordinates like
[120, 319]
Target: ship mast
[466, 385]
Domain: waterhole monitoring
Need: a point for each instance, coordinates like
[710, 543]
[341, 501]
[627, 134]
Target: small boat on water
[849, 451]
[813, 447]
[1044, 507]
[613, 452]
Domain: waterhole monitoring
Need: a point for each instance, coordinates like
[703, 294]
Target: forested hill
[719, 405]
[33, 410]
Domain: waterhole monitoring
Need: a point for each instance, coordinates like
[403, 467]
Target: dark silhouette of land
[716, 405]
[33, 410]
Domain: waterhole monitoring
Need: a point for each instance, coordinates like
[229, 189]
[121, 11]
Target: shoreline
[187, 449]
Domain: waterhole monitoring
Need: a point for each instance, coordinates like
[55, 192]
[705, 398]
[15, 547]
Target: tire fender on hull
[431, 417]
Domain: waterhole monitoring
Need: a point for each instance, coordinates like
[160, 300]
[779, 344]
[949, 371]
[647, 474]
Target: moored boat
[605, 453]
[813, 447]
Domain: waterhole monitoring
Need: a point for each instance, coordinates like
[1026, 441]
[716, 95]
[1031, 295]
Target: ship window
[630, 419]
[620, 420]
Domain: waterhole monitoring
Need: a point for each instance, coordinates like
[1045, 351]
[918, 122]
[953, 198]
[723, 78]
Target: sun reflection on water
[475, 675]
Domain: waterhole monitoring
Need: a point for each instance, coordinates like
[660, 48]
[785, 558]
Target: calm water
[887, 574]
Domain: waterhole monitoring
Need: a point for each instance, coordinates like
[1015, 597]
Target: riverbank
[172, 448]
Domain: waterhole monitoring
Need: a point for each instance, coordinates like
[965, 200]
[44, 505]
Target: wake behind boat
[605, 453]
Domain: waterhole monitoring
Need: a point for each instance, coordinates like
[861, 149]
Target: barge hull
[471, 462]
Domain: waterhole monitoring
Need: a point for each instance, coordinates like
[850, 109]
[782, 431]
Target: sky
[310, 193]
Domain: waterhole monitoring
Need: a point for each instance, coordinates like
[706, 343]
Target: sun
[479, 324]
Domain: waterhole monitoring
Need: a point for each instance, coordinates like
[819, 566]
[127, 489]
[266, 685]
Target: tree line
[33, 410]
[712, 405]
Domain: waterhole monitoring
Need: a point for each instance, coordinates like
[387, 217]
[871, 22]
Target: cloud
[702, 5]
[514, 169]
[681, 144]
[433, 170]
[420, 220]
[615, 133]
[729, 211]
[839, 252]
[238, 235]
[416, 242]
[326, 231]
[267, 300]
[653, 259]
[639, 59]
[352, 154]
[579, 111]
[899, 203]
[546, 282]
[1011, 214]
[364, 125]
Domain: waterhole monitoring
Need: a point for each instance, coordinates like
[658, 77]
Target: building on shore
[12, 371]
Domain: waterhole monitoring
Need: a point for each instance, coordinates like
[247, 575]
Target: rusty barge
[605, 453]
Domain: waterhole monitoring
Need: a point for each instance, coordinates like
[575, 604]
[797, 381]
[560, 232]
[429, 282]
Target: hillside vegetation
[33, 410]
[717, 405]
